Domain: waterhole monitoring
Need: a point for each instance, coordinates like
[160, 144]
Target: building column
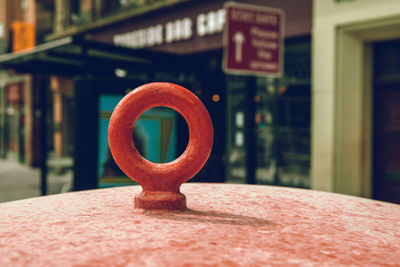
[60, 87]
[62, 12]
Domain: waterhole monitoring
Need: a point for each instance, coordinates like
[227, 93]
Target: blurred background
[326, 118]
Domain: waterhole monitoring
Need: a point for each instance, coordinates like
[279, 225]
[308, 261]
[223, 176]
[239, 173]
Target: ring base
[160, 200]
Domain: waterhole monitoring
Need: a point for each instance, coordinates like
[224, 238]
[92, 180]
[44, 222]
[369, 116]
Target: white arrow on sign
[239, 39]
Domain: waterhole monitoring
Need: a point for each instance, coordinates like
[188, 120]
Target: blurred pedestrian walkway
[18, 181]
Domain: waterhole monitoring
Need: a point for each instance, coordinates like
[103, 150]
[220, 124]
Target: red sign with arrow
[253, 40]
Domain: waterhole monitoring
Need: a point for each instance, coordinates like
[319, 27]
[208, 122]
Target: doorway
[386, 156]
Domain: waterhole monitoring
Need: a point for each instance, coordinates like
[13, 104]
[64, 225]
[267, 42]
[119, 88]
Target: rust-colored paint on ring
[160, 182]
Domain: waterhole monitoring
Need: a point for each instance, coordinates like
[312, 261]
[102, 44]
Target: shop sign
[181, 29]
[23, 36]
[253, 40]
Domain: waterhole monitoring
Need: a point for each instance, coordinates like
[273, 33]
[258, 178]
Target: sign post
[253, 40]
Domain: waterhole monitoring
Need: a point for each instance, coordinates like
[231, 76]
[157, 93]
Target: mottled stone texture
[225, 225]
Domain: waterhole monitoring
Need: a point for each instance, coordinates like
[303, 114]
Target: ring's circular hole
[160, 134]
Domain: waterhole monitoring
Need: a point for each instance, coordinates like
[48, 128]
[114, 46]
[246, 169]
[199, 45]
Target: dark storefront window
[282, 117]
[283, 121]
[236, 87]
[283, 133]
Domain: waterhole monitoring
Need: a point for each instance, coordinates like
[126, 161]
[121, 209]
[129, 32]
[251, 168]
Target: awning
[73, 56]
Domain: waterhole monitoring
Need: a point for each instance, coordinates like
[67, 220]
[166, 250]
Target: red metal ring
[165, 177]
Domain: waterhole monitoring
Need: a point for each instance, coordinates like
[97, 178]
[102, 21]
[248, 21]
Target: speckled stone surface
[226, 225]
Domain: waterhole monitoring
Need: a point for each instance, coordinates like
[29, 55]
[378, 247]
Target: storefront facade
[355, 98]
[22, 25]
[275, 148]
[261, 124]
